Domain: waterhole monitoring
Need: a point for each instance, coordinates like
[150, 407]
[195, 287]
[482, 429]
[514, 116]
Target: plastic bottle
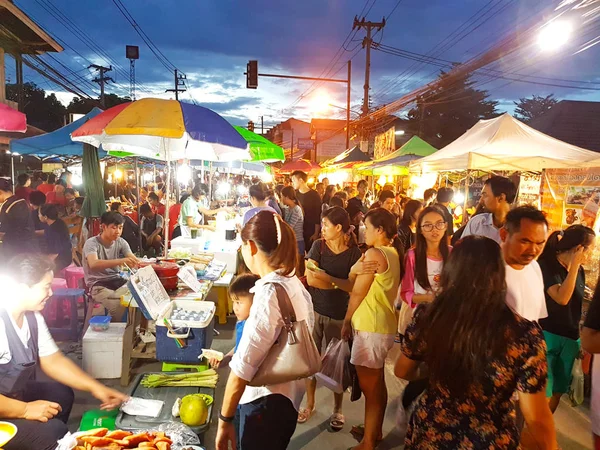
[577, 384]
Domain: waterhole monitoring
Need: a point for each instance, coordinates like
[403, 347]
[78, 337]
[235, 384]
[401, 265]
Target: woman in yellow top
[371, 318]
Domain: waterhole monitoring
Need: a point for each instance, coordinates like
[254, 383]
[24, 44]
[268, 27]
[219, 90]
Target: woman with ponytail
[371, 318]
[564, 284]
[267, 412]
[330, 280]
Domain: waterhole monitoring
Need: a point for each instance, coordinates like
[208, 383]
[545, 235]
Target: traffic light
[252, 74]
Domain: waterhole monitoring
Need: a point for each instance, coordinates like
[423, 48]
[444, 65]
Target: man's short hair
[445, 194]
[79, 200]
[37, 198]
[145, 208]
[502, 185]
[50, 211]
[258, 191]
[70, 192]
[429, 193]
[384, 195]
[300, 174]
[152, 196]
[112, 218]
[22, 179]
[362, 182]
[516, 215]
[241, 285]
[114, 206]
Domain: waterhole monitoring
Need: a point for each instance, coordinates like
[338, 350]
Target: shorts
[326, 328]
[370, 349]
[561, 354]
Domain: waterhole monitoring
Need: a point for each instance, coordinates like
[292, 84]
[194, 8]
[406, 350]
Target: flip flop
[337, 421]
[304, 414]
[359, 431]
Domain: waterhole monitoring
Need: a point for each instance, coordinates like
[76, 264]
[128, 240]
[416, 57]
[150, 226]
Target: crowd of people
[486, 315]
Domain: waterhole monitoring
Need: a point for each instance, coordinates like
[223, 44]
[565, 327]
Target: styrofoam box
[188, 305]
[103, 351]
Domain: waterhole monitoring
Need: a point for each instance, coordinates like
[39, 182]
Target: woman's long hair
[421, 274]
[290, 193]
[329, 191]
[570, 238]
[382, 218]
[339, 216]
[468, 324]
[412, 206]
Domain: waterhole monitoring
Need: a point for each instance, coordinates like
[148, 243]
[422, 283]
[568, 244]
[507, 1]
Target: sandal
[337, 421]
[359, 431]
[304, 414]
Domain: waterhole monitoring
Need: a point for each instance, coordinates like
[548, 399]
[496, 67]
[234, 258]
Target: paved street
[572, 423]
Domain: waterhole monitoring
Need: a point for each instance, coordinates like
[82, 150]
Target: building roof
[574, 122]
[327, 124]
[20, 34]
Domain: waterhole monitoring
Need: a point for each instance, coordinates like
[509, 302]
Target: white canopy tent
[505, 143]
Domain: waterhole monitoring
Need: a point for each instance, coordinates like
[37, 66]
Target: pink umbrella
[302, 164]
[12, 120]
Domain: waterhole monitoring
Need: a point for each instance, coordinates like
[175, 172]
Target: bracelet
[226, 419]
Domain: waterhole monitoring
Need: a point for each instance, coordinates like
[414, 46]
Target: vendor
[40, 410]
[16, 225]
[194, 209]
[151, 228]
[103, 257]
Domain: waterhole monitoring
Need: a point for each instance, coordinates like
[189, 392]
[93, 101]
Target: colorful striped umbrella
[12, 120]
[164, 129]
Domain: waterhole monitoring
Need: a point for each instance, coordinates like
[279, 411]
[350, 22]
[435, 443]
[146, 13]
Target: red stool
[73, 275]
[61, 314]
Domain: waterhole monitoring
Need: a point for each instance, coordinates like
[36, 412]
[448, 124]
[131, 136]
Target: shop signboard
[385, 143]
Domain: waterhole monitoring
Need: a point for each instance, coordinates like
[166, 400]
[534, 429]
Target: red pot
[169, 283]
[164, 270]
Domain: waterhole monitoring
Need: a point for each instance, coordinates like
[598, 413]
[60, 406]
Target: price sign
[187, 274]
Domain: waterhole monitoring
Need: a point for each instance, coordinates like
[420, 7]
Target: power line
[151, 45]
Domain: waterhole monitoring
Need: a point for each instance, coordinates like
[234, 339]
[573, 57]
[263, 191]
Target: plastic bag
[334, 366]
[180, 434]
[576, 393]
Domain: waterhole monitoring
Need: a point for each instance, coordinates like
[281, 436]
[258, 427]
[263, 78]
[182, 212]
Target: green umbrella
[261, 149]
[93, 205]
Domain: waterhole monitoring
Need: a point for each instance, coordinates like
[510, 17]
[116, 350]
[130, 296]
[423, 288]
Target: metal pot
[230, 235]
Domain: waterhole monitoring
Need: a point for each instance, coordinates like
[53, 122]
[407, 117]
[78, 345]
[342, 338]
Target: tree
[531, 108]
[43, 111]
[83, 106]
[451, 108]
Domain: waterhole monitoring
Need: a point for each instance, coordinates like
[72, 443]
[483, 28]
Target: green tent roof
[261, 149]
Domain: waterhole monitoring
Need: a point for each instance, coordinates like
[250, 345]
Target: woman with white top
[421, 281]
[268, 414]
[39, 408]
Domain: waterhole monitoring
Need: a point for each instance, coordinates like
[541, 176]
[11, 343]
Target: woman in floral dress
[478, 353]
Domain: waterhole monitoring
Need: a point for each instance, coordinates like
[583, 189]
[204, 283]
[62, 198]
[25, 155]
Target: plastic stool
[56, 305]
[73, 274]
[174, 367]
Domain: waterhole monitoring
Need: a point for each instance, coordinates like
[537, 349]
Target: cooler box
[103, 351]
[156, 304]
[200, 334]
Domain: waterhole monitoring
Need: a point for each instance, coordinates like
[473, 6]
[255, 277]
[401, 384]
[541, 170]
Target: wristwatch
[225, 419]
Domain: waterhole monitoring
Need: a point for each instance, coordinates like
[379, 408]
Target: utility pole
[348, 104]
[101, 79]
[262, 125]
[367, 42]
[179, 81]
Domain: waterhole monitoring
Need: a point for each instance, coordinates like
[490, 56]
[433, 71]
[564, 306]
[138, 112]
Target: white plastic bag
[576, 394]
[334, 366]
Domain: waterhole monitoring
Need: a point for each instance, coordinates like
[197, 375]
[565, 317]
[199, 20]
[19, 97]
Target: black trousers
[34, 435]
[269, 419]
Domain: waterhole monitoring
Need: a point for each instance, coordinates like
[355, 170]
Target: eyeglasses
[430, 226]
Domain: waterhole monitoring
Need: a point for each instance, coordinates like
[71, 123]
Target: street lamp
[554, 35]
[400, 132]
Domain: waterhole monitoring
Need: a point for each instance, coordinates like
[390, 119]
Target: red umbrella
[12, 120]
[302, 164]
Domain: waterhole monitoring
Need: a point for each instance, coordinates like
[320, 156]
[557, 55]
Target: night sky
[212, 40]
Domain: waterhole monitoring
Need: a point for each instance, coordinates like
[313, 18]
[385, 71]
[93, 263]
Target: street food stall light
[554, 35]
[118, 174]
[381, 181]
[184, 174]
[459, 198]
[400, 132]
[223, 188]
